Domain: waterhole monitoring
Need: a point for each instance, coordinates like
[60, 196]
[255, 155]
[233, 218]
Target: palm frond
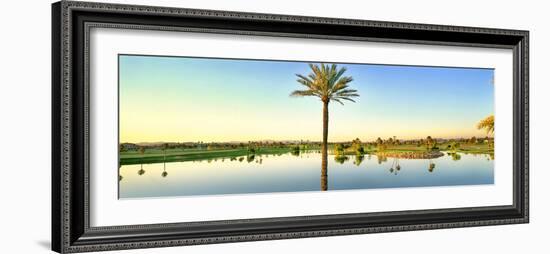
[337, 73]
[343, 98]
[488, 124]
[347, 92]
[327, 82]
[337, 100]
[301, 93]
[302, 79]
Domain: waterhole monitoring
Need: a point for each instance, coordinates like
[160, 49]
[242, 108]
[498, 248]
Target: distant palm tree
[328, 83]
[488, 124]
[430, 143]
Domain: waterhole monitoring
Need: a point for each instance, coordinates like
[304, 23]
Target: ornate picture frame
[71, 229]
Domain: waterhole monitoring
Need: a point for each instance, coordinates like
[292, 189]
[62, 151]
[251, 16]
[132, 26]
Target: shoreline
[411, 155]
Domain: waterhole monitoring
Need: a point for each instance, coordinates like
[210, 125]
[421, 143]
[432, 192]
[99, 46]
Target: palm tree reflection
[395, 167]
[141, 171]
[164, 173]
[431, 166]
[142, 152]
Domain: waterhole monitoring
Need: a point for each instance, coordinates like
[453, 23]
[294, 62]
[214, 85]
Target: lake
[293, 173]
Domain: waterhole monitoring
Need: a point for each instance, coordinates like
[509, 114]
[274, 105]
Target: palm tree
[328, 83]
[430, 143]
[488, 124]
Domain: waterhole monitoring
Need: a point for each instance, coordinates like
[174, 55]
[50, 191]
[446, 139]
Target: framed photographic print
[181, 126]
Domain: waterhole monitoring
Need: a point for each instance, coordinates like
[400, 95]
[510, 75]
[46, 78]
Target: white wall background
[25, 125]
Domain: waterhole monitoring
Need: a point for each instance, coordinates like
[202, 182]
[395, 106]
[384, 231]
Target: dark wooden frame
[71, 22]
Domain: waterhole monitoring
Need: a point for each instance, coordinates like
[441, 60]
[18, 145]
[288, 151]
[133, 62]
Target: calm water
[290, 173]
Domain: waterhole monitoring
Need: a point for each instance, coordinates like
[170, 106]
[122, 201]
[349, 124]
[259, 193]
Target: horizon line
[294, 140]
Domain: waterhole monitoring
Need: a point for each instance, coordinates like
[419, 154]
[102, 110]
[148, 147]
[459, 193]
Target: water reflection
[359, 159]
[288, 172]
[395, 167]
[341, 159]
[295, 151]
[141, 171]
[381, 159]
[250, 158]
[431, 167]
[164, 173]
[454, 156]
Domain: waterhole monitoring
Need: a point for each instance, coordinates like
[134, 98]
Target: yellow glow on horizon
[226, 126]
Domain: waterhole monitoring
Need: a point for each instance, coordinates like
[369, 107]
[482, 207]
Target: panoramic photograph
[212, 126]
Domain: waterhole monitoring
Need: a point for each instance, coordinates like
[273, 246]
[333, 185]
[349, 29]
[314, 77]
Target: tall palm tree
[328, 83]
[488, 124]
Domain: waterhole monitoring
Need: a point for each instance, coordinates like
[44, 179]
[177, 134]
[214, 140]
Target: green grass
[155, 155]
[172, 155]
[465, 148]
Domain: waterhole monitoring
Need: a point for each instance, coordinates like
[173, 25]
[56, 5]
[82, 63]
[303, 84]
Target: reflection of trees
[358, 159]
[431, 166]
[381, 158]
[141, 171]
[164, 173]
[395, 167]
[250, 158]
[295, 151]
[456, 156]
[341, 159]
[141, 152]
[119, 176]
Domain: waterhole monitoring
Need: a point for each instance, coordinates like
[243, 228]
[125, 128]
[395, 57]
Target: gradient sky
[179, 99]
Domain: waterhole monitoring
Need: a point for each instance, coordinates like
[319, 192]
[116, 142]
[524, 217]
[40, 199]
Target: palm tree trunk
[324, 148]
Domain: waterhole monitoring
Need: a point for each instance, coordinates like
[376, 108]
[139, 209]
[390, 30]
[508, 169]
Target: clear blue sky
[191, 99]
